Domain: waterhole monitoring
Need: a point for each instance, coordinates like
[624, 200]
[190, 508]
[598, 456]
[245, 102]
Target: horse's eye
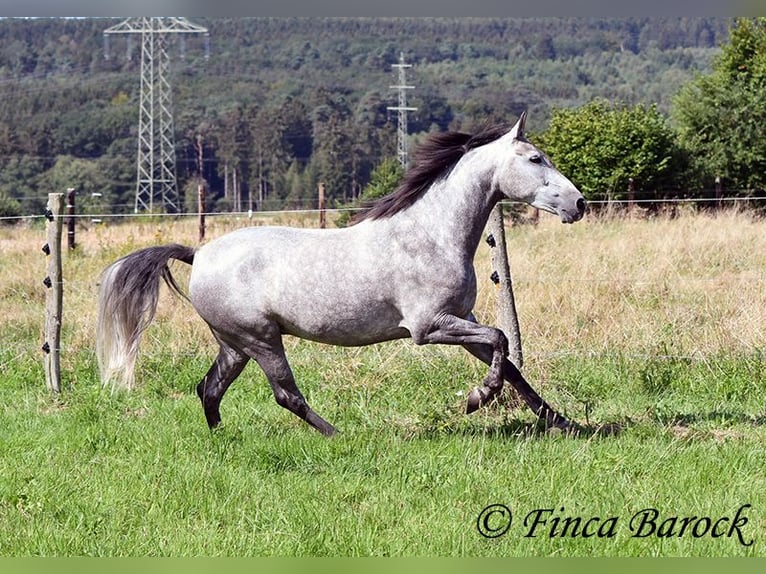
[537, 158]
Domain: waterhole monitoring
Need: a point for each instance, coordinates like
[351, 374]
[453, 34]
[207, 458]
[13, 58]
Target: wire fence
[757, 200]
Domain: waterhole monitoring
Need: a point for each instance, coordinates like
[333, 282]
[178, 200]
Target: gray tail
[127, 303]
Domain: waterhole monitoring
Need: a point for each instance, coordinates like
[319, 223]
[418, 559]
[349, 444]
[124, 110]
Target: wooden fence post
[718, 193]
[631, 194]
[54, 295]
[201, 209]
[70, 222]
[200, 189]
[507, 318]
[322, 207]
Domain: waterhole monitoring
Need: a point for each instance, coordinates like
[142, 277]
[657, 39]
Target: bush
[602, 145]
[9, 208]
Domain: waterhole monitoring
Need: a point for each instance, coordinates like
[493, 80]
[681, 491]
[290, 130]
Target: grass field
[655, 327]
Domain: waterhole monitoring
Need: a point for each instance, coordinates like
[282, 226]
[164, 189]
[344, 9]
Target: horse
[403, 268]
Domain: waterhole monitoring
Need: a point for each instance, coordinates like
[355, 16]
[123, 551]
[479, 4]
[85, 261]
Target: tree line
[284, 103]
[711, 141]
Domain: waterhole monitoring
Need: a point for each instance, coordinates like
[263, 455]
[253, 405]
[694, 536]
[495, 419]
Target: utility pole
[402, 109]
[156, 165]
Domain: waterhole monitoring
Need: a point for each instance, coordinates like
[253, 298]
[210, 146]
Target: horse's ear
[517, 131]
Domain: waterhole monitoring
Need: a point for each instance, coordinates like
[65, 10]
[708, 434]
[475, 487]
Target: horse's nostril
[581, 204]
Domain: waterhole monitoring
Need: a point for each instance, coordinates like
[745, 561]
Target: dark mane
[434, 158]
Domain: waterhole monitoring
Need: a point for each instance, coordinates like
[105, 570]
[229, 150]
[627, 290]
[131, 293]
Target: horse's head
[528, 175]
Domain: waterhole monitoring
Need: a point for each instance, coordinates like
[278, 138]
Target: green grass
[91, 473]
[653, 328]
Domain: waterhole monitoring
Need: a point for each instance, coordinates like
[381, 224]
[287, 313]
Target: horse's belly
[342, 323]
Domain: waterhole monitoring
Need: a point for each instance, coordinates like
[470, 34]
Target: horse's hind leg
[271, 358]
[227, 367]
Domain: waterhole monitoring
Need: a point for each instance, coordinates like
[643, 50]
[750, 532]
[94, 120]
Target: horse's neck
[454, 211]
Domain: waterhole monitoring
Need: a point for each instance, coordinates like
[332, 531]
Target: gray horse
[404, 268]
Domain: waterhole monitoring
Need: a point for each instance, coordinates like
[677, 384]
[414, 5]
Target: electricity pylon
[402, 109]
[156, 163]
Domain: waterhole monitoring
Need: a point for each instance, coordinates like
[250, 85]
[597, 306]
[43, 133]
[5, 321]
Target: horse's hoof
[474, 401]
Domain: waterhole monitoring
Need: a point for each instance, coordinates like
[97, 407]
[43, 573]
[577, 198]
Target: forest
[281, 104]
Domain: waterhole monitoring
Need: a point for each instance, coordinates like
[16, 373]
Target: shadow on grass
[525, 429]
[716, 416]
[505, 425]
[539, 429]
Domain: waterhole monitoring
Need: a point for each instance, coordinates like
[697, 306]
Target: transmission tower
[402, 109]
[156, 163]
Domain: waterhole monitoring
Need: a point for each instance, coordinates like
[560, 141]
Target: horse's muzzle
[575, 214]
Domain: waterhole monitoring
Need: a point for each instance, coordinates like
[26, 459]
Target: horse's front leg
[479, 397]
[452, 330]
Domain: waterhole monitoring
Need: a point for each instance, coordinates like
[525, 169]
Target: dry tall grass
[689, 286]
